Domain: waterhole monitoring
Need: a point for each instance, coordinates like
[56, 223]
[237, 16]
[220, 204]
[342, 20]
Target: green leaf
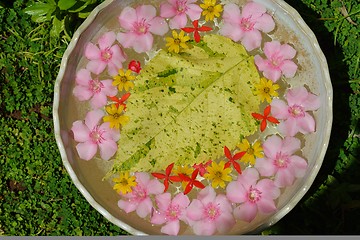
[57, 28]
[39, 9]
[66, 4]
[181, 104]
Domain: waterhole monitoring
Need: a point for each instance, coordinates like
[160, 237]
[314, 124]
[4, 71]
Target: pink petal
[306, 124]
[107, 40]
[113, 69]
[107, 149]
[265, 23]
[155, 187]
[158, 218]
[86, 150]
[93, 117]
[284, 178]
[146, 12]
[251, 39]
[118, 56]
[127, 18]
[81, 131]
[279, 109]
[204, 228]
[268, 189]
[194, 11]
[248, 177]
[114, 134]
[235, 192]
[253, 10]
[272, 146]
[288, 68]
[297, 96]
[179, 21]
[223, 202]
[287, 52]
[265, 167]
[289, 127]
[298, 166]
[142, 178]
[290, 145]
[158, 26]
[271, 48]
[195, 210]
[266, 205]
[206, 195]
[163, 201]
[143, 43]
[99, 100]
[225, 222]
[96, 66]
[272, 73]
[83, 76]
[171, 228]
[127, 206]
[82, 93]
[311, 103]
[181, 199]
[144, 208]
[246, 212]
[127, 39]
[109, 89]
[167, 10]
[231, 31]
[231, 13]
[92, 52]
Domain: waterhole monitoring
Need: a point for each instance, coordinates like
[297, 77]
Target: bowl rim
[292, 202]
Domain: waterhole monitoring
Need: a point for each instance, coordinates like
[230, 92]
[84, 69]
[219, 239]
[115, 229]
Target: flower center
[181, 6]
[281, 160]
[177, 41]
[95, 85]
[266, 89]
[96, 135]
[210, 9]
[139, 193]
[250, 151]
[123, 79]
[254, 195]
[246, 24]
[106, 55]
[296, 111]
[173, 212]
[276, 60]
[124, 182]
[141, 27]
[212, 211]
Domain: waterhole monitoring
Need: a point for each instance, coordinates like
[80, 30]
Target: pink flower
[252, 194]
[139, 199]
[246, 26]
[177, 10]
[93, 89]
[170, 212]
[92, 136]
[278, 61]
[294, 114]
[210, 212]
[139, 25]
[280, 161]
[106, 54]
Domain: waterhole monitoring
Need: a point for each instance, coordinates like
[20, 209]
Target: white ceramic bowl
[87, 175]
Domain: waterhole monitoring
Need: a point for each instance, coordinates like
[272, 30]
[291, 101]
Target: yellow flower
[217, 174]
[211, 9]
[177, 42]
[266, 89]
[252, 151]
[186, 170]
[124, 183]
[123, 80]
[115, 117]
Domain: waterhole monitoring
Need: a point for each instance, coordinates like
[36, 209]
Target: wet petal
[204, 228]
[158, 26]
[225, 222]
[289, 127]
[306, 124]
[266, 205]
[265, 23]
[279, 109]
[82, 93]
[99, 100]
[83, 76]
[171, 228]
[127, 18]
[246, 212]
[194, 11]
[206, 195]
[127, 206]
[163, 201]
[107, 149]
[81, 131]
[107, 40]
[251, 40]
[249, 177]
[265, 167]
[147, 12]
[235, 192]
[144, 208]
[231, 13]
[96, 66]
[254, 10]
[179, 21]
[167, 10]
[92, 118]
[92, 52]
[287, 51]
[181, 199]
[268, 189]
[109, 89]
[272, 146]
[195, 210]
[127, 39]
[86, 150]
[155, 187]
[158, 218]
[288, 68]
[143, 43]
[290, 145]
[298, 166]
[231, 31]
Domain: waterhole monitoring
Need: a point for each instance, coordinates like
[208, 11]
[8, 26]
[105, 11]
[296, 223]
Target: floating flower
[251, 151]
[177, 42]
[278, 61]
[116, 116]
[167, 178]
[124, 183]
[210, 212]
[232, 159]
[264, 118]
[280, 161]
[123, 80]
[92, 88]
[191, 181]
[170, 212]
[139, 24]
[178, 10]
[92, 136]
[246, 26]
[135, 66]
[202, 167]
[294, 113]
[253, 195]
[107, 54]
[266, 89]
[139, 199]
[120, 101]
[196, 29]
[218, 174]
[211, 9]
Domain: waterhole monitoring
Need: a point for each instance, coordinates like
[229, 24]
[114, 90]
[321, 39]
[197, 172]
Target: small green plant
[65, 15]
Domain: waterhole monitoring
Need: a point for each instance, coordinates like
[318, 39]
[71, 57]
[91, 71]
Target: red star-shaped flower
[167, 178]
[192, 181]
[120, 101]
[265, 118]
[196, 29]
[232, 159]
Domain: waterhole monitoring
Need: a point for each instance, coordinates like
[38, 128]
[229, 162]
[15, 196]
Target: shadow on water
[315, 215]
